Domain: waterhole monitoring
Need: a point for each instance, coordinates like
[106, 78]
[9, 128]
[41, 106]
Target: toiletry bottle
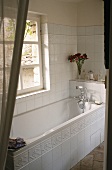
[90, 75]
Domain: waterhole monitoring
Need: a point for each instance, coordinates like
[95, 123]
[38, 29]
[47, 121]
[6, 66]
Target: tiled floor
[93, 161]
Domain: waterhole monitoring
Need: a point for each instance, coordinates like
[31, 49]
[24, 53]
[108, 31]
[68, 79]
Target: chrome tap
[82, 98]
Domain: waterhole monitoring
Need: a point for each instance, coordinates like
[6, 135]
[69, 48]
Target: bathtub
[69, 137]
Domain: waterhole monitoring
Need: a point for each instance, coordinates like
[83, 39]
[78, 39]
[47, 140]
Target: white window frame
[40, 87]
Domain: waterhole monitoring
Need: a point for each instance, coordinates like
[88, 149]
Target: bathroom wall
[90, 40]
[90, 22]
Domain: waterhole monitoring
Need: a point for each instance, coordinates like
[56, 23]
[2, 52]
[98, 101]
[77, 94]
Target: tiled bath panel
[63, 148]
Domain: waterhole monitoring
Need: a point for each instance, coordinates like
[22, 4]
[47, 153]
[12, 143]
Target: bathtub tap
[82, 98]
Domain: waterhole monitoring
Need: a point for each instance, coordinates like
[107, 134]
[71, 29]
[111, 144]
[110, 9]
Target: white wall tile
[81, 153]
[68, 30]
[45, 99]
[52, 68]
[90, 30]
[87, 142]
[21, 107]
[94, 128]
[48, 167]
[66, 147]
[30, 104]
[74, 30]
[51, 39]
[15, 110]
[57, 29]
[38, 102]
[66, 161]
[51, 49]
[81, 137]
[74, 157]
[74, 142]
[81, 31]
[20, 100]
[81, 44]
[57, 164]
[52, 97]
[51, 28]
[35, 165]
[63, 29]
[99, 30]
[93, 141]
[47, 159]
[56, 153]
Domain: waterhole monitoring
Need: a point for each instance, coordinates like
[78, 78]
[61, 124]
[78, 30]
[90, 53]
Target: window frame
[38, 42]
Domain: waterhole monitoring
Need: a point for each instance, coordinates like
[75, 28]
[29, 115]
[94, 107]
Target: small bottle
[90, 75]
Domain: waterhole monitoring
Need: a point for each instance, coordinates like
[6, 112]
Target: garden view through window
[30, 77]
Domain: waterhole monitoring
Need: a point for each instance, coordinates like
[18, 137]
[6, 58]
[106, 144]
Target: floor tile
[93, 161]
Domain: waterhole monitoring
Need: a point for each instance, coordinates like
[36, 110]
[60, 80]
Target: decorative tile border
[21, 160]
[73, 129]
[87, 120]
[34, 152]
[46, 145]
[81, 125]
[65, 134]
[56, 140]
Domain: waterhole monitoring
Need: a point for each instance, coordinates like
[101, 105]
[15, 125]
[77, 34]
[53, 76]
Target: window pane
[31, 31]
[30, 54]
[8, 53]
[9, 25]
[31, 77]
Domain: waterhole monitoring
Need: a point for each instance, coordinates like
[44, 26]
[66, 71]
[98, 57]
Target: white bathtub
[59, 137]
[40, 121]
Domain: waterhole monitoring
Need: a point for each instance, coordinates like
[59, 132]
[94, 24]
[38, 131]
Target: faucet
[82, 98]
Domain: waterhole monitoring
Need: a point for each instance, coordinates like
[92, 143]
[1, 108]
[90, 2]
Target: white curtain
[12, 26]
[7, 37]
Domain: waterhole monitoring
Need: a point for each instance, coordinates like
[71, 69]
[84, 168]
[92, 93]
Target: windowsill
[32, 93]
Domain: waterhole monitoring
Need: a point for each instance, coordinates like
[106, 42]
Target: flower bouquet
[79, 59]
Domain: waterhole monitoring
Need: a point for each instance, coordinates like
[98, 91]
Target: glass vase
[79, 67]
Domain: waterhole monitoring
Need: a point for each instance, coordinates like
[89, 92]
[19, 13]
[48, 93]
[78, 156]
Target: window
[30, 78]
[32, 71]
